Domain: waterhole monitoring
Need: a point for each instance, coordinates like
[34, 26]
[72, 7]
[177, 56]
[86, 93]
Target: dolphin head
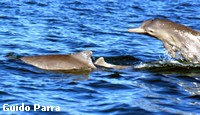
[175, 37]
[164, 30]
[155, 27]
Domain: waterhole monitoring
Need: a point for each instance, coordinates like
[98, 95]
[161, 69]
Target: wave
[164, 63]
[170, 67]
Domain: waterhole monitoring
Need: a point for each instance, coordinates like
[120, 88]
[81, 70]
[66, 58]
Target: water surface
[156, 84]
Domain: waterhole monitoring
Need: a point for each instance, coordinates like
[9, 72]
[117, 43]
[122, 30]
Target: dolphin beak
[137, 30]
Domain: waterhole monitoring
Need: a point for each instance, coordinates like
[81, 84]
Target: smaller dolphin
[101, 62]
[179, 40]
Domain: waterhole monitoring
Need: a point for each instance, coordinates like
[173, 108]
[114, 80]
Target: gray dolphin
[179, 40]
[80, 61]
[77, 61]
[101, 62]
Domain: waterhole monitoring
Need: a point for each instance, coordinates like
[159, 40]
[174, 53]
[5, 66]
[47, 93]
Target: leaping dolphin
[179, 40]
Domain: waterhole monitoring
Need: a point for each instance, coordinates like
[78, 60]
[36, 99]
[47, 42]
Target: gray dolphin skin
[77, 61]
[180, 41]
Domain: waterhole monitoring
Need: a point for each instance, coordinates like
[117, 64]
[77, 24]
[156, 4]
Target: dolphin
[80, 61]
[101, 62]
[180, 41]
[77, 61]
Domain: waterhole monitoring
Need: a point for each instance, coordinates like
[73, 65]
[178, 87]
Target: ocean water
[156, 84]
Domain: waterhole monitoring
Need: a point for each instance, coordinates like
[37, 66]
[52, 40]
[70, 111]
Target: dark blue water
[155, 85]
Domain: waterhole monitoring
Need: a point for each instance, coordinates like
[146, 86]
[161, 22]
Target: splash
[166, 61]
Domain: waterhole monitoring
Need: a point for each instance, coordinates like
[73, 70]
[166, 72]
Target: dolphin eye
[150, 30]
